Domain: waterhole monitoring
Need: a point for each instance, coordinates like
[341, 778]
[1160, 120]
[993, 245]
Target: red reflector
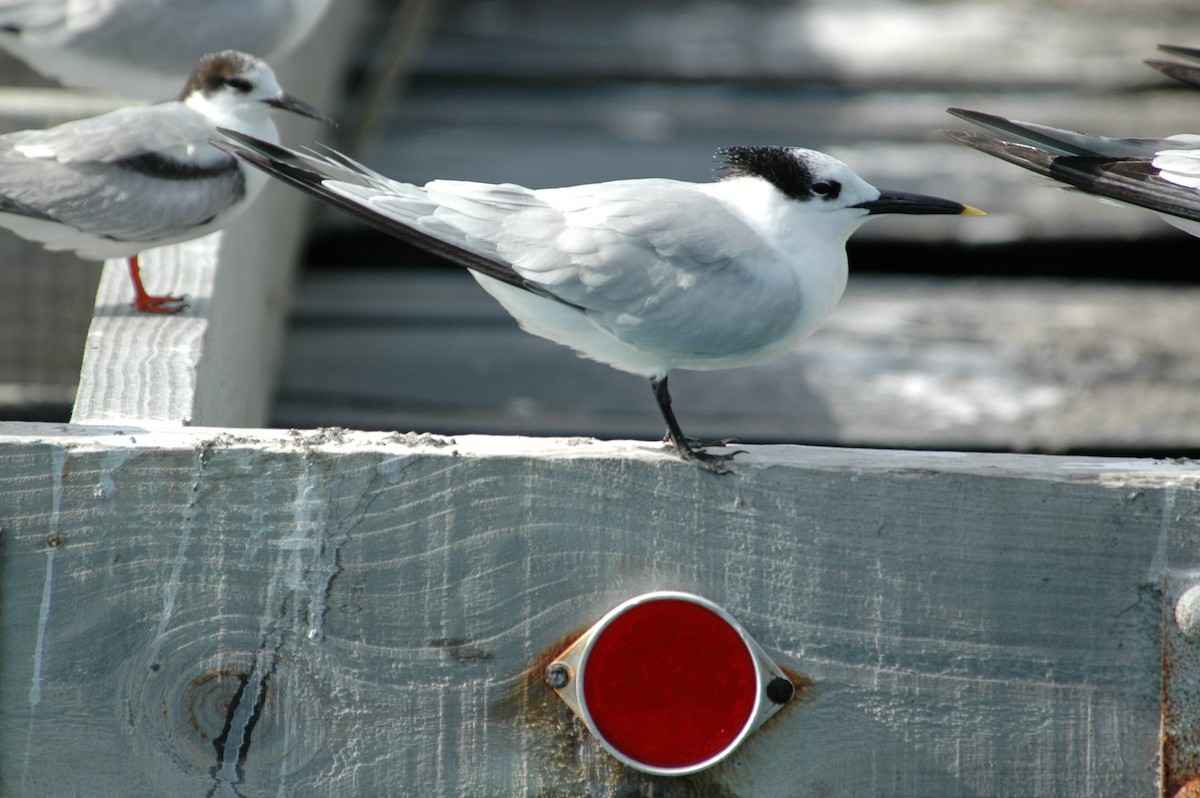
[669, 683]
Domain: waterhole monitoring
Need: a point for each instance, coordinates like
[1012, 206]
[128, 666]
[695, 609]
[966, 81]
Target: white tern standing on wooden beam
[1160, 174]
[113, 185]
[147, 48]
[644, 275]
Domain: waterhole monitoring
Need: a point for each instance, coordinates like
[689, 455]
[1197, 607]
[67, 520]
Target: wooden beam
[206, 611]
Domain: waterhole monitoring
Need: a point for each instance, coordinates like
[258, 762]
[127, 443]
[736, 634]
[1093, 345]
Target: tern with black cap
[646, 275]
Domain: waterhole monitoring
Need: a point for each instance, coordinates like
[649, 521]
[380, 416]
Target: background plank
[973, 625]
[1026, 365]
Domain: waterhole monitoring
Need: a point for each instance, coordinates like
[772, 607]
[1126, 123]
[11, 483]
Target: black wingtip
[1184, 73]
[971, 116]
[992, 122]
[1184, 52]
[264, 148]
[1024, 155]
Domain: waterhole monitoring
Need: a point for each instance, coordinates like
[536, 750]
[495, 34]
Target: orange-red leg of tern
[148, 303]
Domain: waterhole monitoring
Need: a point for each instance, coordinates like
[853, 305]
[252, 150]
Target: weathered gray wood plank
[895, 42]
[973, 624]
[1036, 365]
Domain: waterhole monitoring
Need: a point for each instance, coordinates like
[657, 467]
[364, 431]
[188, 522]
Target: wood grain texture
[335, 613]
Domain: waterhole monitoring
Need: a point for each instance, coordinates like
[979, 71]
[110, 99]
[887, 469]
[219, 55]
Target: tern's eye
[240, 85]
[829, 189]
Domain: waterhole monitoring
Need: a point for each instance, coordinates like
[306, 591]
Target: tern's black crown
[781, 166]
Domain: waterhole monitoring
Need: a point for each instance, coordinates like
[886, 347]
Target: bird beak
[287, 102]
[903, 202]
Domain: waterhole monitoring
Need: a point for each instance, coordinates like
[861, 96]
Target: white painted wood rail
[209, 612]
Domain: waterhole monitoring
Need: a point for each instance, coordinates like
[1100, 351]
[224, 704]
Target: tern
[147, 48]
[137, 178]
[645, 275]
[1159, 174]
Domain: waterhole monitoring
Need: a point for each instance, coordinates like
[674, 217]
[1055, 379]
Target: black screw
[558, 675]
[780, 690]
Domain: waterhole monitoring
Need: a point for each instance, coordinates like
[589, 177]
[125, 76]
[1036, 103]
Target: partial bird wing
[1186, 73]
[355, 189]
[116, 203]
[166, 128]
[1061, 142]
[628, 251]
[1135, 180]
[1191, 53]
[117, 176]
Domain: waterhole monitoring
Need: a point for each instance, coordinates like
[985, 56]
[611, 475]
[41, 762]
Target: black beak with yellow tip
[904, 202]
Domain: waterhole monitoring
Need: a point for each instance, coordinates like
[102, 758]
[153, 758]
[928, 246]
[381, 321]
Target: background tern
[113, 185]
[146, 48]
[1160, 174]
[643, 275]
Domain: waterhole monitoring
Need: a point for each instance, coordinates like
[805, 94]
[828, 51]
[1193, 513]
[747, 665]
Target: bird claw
[149, 303]
[692, 453]
[700, 443]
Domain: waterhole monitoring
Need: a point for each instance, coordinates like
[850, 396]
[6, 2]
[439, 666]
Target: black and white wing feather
[1161, 175]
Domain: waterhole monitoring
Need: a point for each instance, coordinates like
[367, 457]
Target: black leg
[678, 441]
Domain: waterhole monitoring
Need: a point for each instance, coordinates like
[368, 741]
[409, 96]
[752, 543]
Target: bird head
[230, 87]
[818, 188]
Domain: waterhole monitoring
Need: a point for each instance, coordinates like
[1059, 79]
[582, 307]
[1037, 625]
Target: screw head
[780, 690]
[1187, 614]
[557, 675]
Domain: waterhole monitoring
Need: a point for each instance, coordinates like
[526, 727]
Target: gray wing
[115, 175]
[625, 252]
[115, 136]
